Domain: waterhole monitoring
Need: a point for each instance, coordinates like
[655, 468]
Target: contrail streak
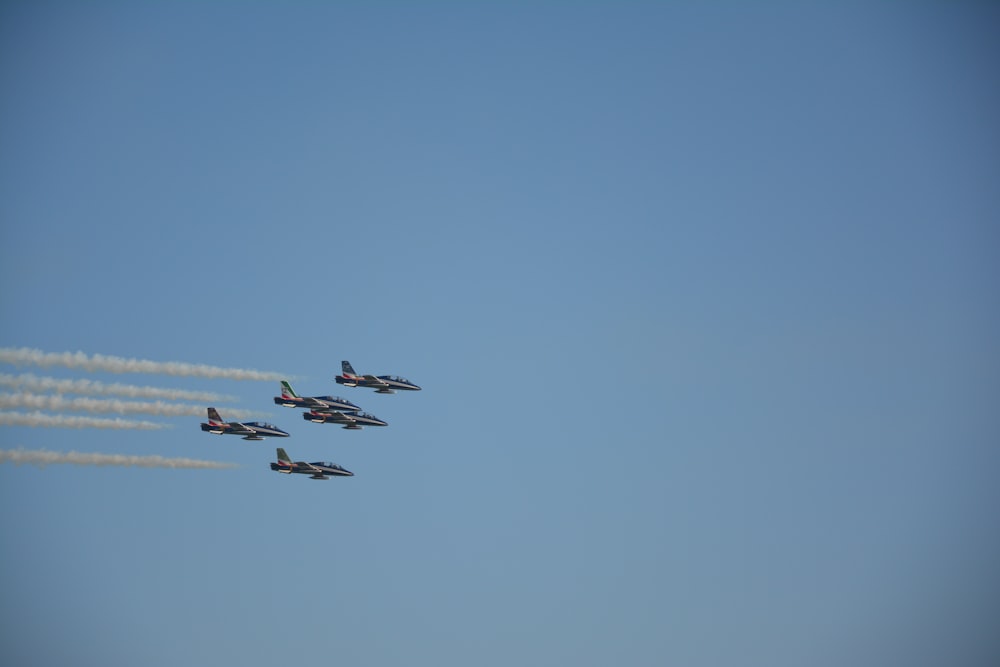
[108, 406]
[34, 383]
[44, 457]
[67, 421]
[100, 362]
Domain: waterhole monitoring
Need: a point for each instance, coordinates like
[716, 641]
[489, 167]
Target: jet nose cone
[349, 473]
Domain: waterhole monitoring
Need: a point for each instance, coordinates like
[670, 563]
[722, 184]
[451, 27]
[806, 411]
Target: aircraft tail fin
[213, 416]
[283, 456]
[287, 391]
[347, 369]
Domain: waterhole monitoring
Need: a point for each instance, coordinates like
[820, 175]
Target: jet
[382, 384]
[318, 470]
[290, 399]
[249, 430]
[351, 420]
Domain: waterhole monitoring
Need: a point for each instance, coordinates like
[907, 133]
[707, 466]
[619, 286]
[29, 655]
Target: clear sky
[703, 299]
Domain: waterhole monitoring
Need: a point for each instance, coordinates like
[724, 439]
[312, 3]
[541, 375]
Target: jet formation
[327, 409]
[320, 410]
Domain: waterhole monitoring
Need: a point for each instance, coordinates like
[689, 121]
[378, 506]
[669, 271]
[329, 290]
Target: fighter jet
[318, 470]
[290, 399]
[351, 420]
[382, 384]
[249, 430]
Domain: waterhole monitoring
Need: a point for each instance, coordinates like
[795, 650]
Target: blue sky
[702, 298]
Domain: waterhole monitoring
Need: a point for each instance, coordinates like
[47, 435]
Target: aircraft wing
[241, 428]
[312, 402]
[307, 467]
[375, 381]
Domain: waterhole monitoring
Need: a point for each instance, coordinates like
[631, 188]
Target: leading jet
[352, 421]
[290, 399]
[382, 384]
[249, 430]
[318, 470]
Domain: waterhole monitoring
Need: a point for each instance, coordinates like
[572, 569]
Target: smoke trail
[44, 457]
[109, 406]
[66, 421]
[33, 383]
[100, 362]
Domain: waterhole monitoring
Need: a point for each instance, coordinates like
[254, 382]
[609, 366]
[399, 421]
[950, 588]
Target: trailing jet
[351, 420]
[290, 399]
[318, 470]
[249, 430]
[382, 384]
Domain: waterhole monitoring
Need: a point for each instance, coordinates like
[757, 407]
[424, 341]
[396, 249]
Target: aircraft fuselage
[349, 420]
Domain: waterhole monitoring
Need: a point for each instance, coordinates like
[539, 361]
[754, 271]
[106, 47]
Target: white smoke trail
[43, 457]
[109, 406]
[67, 421]
[100, 362]
[33, 383]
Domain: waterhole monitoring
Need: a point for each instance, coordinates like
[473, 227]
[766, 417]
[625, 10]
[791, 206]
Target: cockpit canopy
[335, 399]
[396, 378]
